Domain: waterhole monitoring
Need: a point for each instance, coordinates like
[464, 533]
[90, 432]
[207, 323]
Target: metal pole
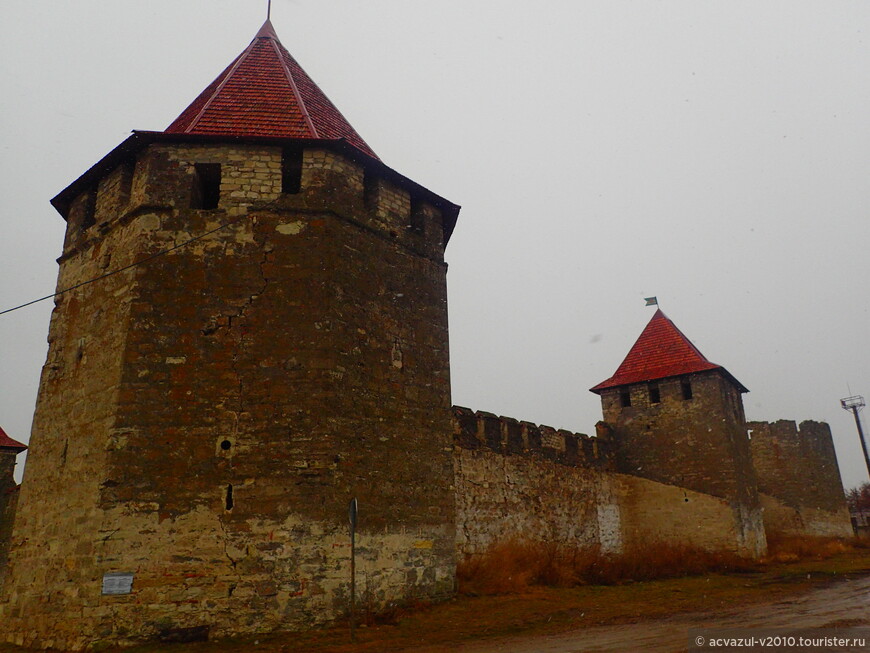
[352, 586]
[861, 437]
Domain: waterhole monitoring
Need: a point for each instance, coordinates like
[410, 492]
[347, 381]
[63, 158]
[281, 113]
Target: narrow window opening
[370, 190]
[625, 398]
[89, 210]
[206, 186]
[291, 171]
[654, 395]
[229, 499]
[417, 219]
[686, 388]
[126, 185]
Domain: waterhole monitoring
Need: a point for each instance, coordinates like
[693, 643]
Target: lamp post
[855, 404]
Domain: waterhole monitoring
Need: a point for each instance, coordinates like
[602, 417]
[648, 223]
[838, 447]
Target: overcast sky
[715, 154]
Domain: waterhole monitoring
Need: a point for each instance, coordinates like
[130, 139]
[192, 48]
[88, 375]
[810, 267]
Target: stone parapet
[508, 436]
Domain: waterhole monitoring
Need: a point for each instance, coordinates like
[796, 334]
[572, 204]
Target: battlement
[510, 437]
[207, 177]
[809, 433]
[797, 464]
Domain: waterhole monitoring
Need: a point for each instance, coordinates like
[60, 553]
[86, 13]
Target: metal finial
[269, 10]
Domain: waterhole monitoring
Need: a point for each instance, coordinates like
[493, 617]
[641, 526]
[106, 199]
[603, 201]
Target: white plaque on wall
[117, 582]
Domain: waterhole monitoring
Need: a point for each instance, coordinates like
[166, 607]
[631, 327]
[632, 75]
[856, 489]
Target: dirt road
[844, 604]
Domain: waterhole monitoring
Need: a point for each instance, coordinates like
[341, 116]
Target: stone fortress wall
[799, 478]
[518, 480]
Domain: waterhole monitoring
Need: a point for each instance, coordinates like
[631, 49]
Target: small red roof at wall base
[8, 443]
[265, 93]
[660, 352]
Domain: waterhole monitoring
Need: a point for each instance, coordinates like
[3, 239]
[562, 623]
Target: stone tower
[677, 418]
[270, 342]
[9, 450]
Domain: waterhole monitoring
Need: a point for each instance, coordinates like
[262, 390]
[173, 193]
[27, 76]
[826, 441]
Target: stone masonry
[211, 413]
[698, 443]
[799, 478]
[517, 480]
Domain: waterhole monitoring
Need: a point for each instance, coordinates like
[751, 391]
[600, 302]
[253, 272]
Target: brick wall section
[298, 357]
[517, 480]
[797, 468]
[698, 444]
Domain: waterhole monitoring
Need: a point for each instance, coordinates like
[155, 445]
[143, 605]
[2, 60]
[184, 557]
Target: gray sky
[715, 154]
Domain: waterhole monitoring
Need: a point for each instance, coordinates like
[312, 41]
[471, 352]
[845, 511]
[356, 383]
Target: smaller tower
[9, 450]
[678, 418]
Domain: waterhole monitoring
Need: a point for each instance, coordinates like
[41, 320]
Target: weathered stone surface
[698, 443]
[205, 417]
[8, 504]
[572, 500]
[799, 478]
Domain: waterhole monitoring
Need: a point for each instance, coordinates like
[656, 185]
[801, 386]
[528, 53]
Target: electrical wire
[126, 267]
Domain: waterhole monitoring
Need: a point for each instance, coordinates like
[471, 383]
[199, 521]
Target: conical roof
[8, 443]
[265, 93]
[660, 352]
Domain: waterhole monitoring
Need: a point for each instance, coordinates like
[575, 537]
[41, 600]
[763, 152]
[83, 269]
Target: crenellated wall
[505, 435]
[518, 480]
[799, 478]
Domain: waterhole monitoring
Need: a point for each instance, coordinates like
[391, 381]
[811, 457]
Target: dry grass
[514, 566]
[790, 548]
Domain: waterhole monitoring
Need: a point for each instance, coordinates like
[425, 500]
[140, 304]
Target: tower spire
[265, 93]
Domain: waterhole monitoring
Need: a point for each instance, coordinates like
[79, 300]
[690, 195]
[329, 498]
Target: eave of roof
[138, 140]
[8, 443]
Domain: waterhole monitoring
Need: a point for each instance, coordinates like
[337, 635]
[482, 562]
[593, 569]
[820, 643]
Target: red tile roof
[661, 351]
[8, 443]
[265, 93]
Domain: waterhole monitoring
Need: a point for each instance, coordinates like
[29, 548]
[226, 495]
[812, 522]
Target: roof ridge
[276, 44]
[227, 76]
[682, 335]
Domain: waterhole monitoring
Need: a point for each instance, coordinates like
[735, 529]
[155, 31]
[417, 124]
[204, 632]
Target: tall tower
[277, 346]
[678, 418]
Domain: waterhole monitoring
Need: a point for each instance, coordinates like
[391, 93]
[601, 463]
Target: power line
[126, 267]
